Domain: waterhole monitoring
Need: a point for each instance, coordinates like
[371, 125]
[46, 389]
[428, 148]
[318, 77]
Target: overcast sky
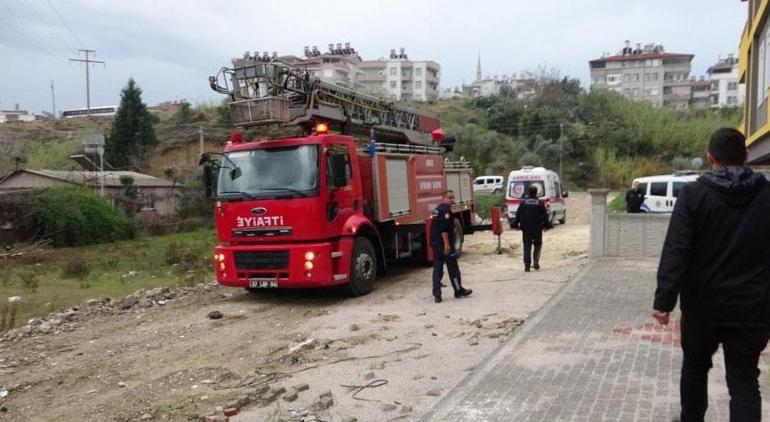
[171, 46]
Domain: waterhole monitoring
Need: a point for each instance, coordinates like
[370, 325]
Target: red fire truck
[349, 190]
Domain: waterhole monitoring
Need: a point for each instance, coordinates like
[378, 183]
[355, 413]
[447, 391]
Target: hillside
[608, 140]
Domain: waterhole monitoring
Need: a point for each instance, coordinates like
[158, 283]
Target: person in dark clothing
[634, 199]
[716, 258]
[442, 239]
[532, 219]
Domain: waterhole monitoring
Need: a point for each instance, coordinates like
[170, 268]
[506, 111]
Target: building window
[635, 92]
[636, 77]
[418, 71]
[626, 91]
[393, 84]
[731, 100]
[732, 86]
[418, 85]
[393, 71]
[627, 77]
[647, 76]
[654, 91]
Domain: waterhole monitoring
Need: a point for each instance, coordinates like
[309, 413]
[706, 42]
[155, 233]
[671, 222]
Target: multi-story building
[402, 79]
[754, 71]
[700, 93]
[340, 65]
[645, 73]
[725, 89]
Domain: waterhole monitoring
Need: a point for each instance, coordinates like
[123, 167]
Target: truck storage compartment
[398, 186]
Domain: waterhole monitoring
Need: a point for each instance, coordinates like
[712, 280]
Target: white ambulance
[549, 190]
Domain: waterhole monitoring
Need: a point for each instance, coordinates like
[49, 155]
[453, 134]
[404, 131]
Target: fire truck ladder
[270, 91]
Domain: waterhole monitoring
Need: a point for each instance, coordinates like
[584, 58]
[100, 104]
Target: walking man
[716, 258]
[634, 199]
[532, 219]
[442, 240]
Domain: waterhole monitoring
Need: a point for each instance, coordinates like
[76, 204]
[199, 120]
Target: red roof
[643, 56]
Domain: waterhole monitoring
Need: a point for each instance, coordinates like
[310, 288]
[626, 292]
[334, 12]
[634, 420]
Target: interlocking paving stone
[593, 353]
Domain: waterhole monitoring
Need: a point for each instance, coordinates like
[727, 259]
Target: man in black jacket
[634, 199]
[716, 257]
[532, 218]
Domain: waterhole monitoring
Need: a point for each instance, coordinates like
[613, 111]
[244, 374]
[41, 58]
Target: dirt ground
[389, 355]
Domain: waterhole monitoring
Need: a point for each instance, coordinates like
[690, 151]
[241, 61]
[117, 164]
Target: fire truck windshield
[284, 172]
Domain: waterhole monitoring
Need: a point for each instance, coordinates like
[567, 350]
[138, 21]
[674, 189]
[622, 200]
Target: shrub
[75, 217]
[76, 268]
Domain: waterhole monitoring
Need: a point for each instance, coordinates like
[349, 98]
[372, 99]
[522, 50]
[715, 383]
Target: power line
[87, 61]
[26, 31]
[34, 13]
[64, 22]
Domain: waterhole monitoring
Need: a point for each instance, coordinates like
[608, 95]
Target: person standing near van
[716, 258]
[634, 199]
[442, 239]
[532, 219]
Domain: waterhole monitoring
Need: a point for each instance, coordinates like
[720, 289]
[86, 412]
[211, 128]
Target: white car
[488, 184]
[660, 192]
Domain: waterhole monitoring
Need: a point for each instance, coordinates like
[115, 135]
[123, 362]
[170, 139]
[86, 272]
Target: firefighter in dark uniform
[532, 219]
[442, 239]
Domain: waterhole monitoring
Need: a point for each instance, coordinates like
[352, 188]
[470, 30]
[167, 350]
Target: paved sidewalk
[591, 354]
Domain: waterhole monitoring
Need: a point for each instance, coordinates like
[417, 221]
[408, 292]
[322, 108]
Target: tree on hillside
[132, 136]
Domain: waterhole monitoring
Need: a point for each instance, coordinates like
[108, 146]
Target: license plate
[262, 283]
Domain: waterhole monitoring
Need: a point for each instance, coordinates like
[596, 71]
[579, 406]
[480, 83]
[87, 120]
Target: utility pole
[200, 137]
[53, 100]
[561, 149]
[87, 61]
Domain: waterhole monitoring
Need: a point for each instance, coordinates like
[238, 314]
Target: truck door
[343, 198]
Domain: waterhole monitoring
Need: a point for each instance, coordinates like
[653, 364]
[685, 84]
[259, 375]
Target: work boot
[537, 265]
[463, 293]
[526, 268]
[437, 299]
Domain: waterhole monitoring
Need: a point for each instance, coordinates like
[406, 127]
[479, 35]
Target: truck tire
[563, 219]
[552, 218]
[363, 268]
[459, 236]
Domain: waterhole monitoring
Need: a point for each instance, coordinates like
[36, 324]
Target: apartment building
[645, 73]
[725, 89]
[754, 71]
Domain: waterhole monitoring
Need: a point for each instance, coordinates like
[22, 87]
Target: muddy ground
[389, 355]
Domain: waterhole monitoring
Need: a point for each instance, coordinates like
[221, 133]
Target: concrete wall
[624, 235]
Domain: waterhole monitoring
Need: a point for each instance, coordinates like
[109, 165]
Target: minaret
[478, 69]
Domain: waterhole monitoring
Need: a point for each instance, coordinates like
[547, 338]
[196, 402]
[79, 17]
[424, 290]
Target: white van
[488, 184]
[549, 190]
[660, 192]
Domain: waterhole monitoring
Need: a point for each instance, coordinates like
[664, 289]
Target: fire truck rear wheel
[459, 239]
[563, 219]
[363, 268]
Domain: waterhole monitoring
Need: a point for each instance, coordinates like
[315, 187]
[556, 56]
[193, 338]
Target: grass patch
[484, 203]
[618, 204]
[51, 279]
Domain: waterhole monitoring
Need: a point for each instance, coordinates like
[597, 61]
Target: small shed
[148, 194]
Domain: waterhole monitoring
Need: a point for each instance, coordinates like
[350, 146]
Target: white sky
[171, 46]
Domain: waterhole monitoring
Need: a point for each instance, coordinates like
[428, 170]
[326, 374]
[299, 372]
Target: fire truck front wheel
[363, 268]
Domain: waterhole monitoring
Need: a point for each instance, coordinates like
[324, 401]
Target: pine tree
[132, 136]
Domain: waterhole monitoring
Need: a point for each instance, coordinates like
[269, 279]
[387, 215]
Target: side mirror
[235, 173]
[208, 180]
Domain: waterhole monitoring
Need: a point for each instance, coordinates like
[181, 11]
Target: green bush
[75, 217]
[618, 204]
[485, 202]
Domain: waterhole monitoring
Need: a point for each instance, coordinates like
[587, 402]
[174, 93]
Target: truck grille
[253, 260]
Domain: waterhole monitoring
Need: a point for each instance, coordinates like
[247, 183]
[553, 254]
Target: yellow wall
[745, 57]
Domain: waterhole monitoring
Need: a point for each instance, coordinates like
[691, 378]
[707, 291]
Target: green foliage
[183, 114]
[132, 136]
[76, 268]
[608, 139]
[70, 217]
[485, 202]
[618, 203]
[223, 113]
[129, 188]
[53, 155]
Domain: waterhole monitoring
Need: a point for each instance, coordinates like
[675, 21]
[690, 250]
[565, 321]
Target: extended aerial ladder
[269, 91]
